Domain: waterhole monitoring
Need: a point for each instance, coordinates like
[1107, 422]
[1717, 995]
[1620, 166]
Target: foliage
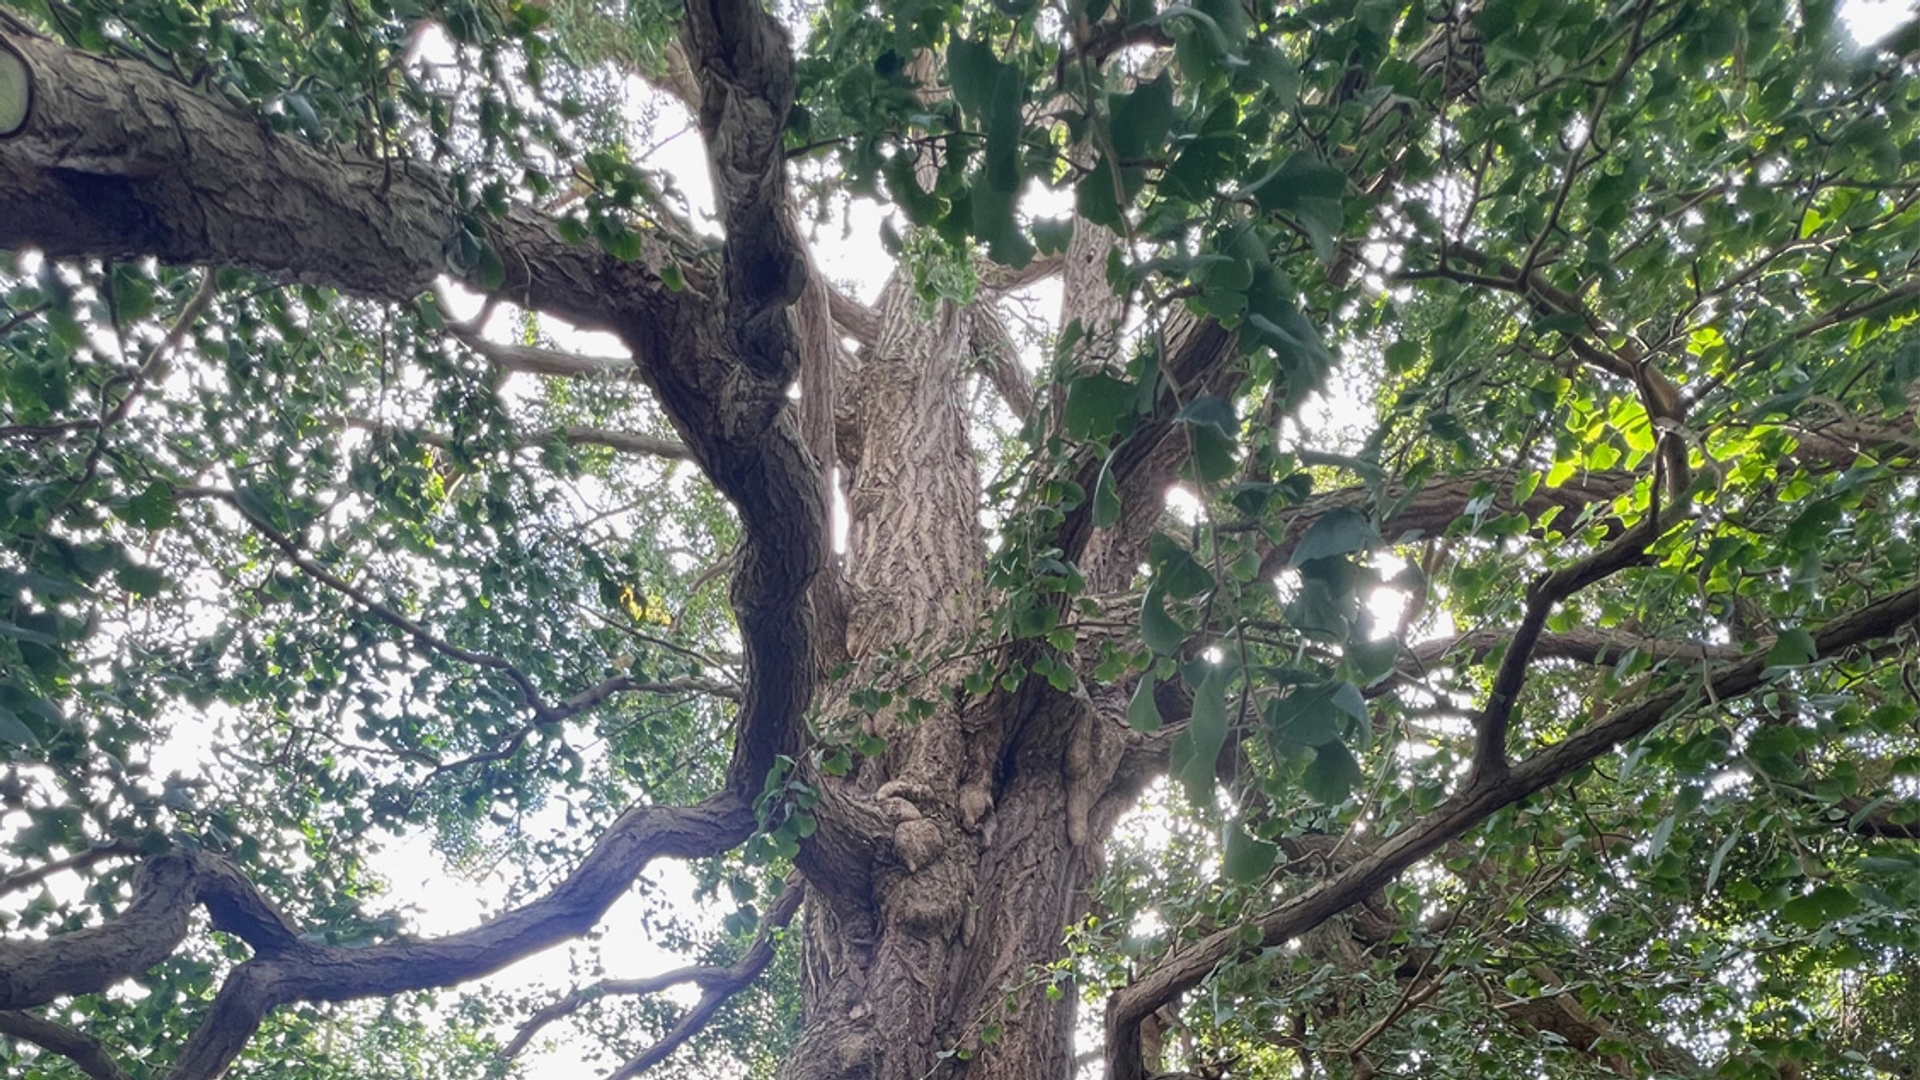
[1623, 297]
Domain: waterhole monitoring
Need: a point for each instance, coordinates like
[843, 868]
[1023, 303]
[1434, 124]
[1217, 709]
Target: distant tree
[1545, 705]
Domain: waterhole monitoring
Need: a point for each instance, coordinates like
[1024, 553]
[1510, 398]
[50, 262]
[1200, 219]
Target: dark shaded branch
[100, 852]
[165, 890]
[1187, 966]
[189, 180]
[533, 360]
[86, 1052]
[119, 161]
[1585, 645]
[575, 434]
[714, 982]
[286, 969]
[1546, 593]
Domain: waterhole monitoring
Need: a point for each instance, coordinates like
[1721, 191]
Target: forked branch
[717, 984]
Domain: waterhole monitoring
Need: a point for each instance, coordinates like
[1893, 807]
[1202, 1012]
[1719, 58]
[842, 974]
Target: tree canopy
[1348, 539]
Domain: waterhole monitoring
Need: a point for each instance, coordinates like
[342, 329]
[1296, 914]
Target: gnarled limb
[118, 160]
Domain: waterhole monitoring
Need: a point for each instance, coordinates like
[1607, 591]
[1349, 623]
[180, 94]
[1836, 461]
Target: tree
[1552, 715]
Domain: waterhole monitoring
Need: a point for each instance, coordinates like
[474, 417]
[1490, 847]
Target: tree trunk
[926, 950]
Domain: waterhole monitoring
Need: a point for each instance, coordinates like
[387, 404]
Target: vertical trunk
[973, 836]
[939, 967]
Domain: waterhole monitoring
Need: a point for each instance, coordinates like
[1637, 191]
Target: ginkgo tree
[1356, 537]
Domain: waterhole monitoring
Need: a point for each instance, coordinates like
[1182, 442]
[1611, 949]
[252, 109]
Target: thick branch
[1546, 593]
[165, 890]
[117, 160]
[1187, 966]
[286, 969]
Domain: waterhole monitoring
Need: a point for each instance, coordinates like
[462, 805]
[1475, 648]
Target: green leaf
[1812, 527]
[1824, 905]
[1246, 859]
[1095, 198]
[141, 580]
[1175, 571]
[973, 71]
[1206, 734]
[1663, 832]
[1719, 858]
[1097, 405]
[1157, 628]
[1332, 774]
[1052, 235]
[1141, 119]
[153, 508]
[1340, 531]
[1106, 497]
[1793, 648]
[14, 730]
[1143, 712]
[1209, 410]
[1307, 715]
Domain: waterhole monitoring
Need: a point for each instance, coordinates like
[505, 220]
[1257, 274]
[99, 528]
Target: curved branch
[86, 1052]
[118, 160]
[286, 969]
[165, 890]
[1547, 592]
[714, 982]
[1187, 966]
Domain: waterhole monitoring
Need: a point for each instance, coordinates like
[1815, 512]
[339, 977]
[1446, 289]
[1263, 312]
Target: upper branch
[117, 160]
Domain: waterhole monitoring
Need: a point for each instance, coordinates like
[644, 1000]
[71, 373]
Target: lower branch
[85, 1051]
[732, 981]
[1186, 967]
[713, 980]
[286, 969]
